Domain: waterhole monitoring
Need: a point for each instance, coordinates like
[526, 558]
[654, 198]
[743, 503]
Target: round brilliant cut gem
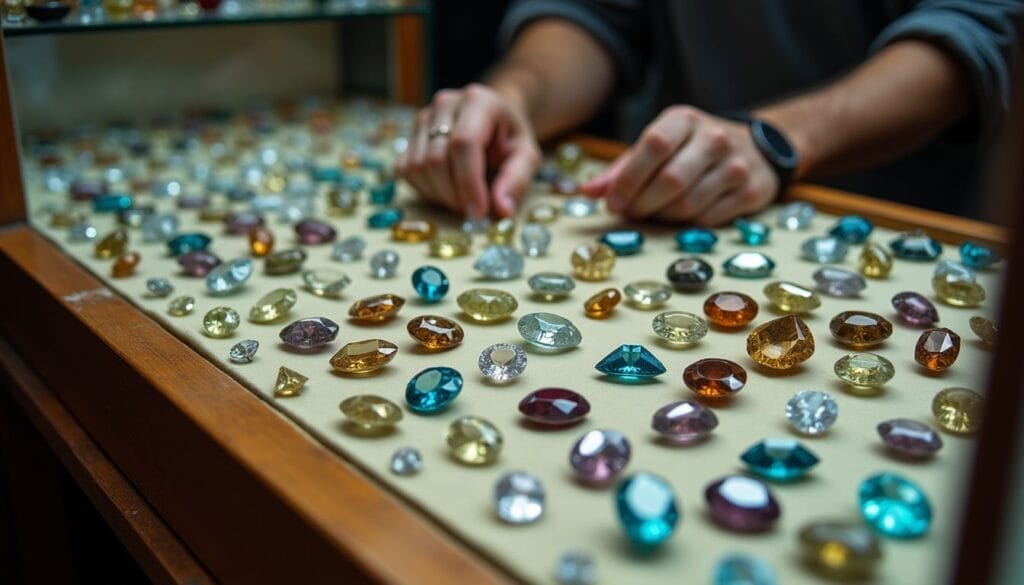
[860, 328]
[696, 240]
[406, 461]
[376, 308]
[159, 287]
[474, 441]
[554, 407]
[384, 264]
[435, 333]
[853, 229]
[500, 262]
[647, 294]
[535, 239]
[742, 504]
[909, 437]
[824, 249]
[198, 263]
[349, 249]
[916, 245]
[325, 283]
[624, 242]
[549, 331]
[875, 261]
[958, 410]
[737, 569]
[689, 274]
[430, 283]
[977, 256]
[220, 322]
[811, 412]
[369, 412]
[714, 377]
[839, 282]
[413, 230]
[791, 298]
[576, 568]
[309, 333]
[684, 422]
[273, 305]
[450, 244]
[599, 456]
[593, 262]
[289, 382]
[985, 329]
[749, 265]
[781, 344]
[795, 216]
[864, 370]
[779, 459]
[914, 309]
[895, 506]
[937, 349]
[680, 327]
[181, 306]
[362, 357]
[840, 549]
[630, 363]
[519, 498]
[502, 362]
[551, 285]
[753, 233]
[647, 510]
[730, 309]
[229, 277]
[284, 261]
[244, 351]
[433, 389]
[487, 305]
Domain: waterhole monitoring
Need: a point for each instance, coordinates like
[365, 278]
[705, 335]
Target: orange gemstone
[376, 308]
[125, 265]
[261, 241]
[433, 332]
[602, 304]
[860, 328]
[413, 230]
[937, 349]
[730, 309]
[714, 377]
[781, 344]
[361, 357]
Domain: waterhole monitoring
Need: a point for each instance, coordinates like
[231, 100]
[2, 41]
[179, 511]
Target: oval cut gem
[487, 304]
[241, 222]
[781, 344]
[753, 233]
[730, 309]
[125, 265]
[311, 232]
[895, 506]
[229, 277]
[914, 309]
[197, 264]
[554, 407]
[958, 293]
[749, 265]
[549, 331]
[384, 263]
[916, 245]
[909, 438]
[853, 229]
[795, 216]
[599, 456]
[349, 249]
[860, 328]
[824, 250]
[937, 349]
[630, 363]
[384, 219]
[362, 357]
[714, 377]
[623, 242]
[684, 422]
[602, 304]
[647, 510]
[742, 504]
[284, 261]
[325, 283]
[261, 241]
[593, 262]
[436, 333]
[369, 412]
[309, 333]
[841, 550]
[536, 239]
[779, 459]
[647, 294]
[450, 244]
[474, 441]
[190, 242]
[519, 498]
[689, 274]
[696, 240]
[430, 283]
[958, 410]
[273, 305]
[864, 370]
[977, 256]
[433, 389]
[839, 282]
[791, 298]
[413, 230]
[551, 286]
[376, 308]
[500, 262]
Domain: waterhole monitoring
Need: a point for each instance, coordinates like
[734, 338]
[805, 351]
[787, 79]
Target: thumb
[513, 178]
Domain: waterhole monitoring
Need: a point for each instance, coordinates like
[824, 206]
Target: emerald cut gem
[647, 510]
[895, 506]
[781, 459]
[631, 363]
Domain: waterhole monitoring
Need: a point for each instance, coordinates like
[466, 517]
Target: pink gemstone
[684, 422]
[310, 333]
[314, 231]
[86, 189]
[742, 503]
[554, 406]
[914, 309]
[242, 222]
[198, 263]
[599, 456]
[909, 437]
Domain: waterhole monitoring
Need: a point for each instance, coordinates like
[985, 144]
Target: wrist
[519, 87]
[795, 133]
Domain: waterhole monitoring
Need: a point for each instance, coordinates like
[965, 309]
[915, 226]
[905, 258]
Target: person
[752, 95]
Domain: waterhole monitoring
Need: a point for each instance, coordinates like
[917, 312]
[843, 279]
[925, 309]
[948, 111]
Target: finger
[737, 202]
[473, 131]
[598, 186]
[658, 143]
[714, 184]
[416, 163]
[513, 178]
[437, 168]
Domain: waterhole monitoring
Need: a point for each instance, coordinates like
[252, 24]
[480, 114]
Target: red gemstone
[554, 406]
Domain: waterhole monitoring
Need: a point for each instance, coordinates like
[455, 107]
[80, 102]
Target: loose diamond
[309, 333]
[838, 282]
[599, 456]
[914, 309]
[737, 569]
[370, 413]
[824, 250]
[406, 461]
[500, 262]
[502, 362]
[795, 216]
[730, 309]
[958, 410]
[895, 506]
[435, 333]
[684, 422]
[781, 344]
[753, 233]
[82, 232]
[742, 504]
[647, 510]
[576, 568]
[977, 256]
[273, 305]
[624, 242]
[779, 459]
[519, 498]
[714, 377]
[875, 261]
[384, 264]
[551, 286]
[909, 437]
[554, 407]
[549, 331]
[689, 274]
[853, 229]
[749, 265]
[630, 363]
[325, 283]
[602, 304]
[289, 382]
[696, 240]
[450, 244]
[244, 351]
[430, 283]
[811, 412]
[181, 306]
[433, 389]
[159, 287]
[792, 298]
[937, 349]
[474, 441]
[376, 308]
[860, 328]
[841, 550]
[487, 305]
[349, 249]
[220, 322]
[864, 370]
[915, 245]
[647, 294]
[535, 239]
[362, 357]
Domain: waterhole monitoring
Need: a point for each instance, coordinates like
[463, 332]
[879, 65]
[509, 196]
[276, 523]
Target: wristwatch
[774, 146]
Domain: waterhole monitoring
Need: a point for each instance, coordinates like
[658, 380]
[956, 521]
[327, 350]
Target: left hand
[688, 166]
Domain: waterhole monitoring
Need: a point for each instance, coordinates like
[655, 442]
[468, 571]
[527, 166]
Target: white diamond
[519, 498]
[384, 264]
[406, 461]
[647, 294]
[244, 351]
[795, 216]
[576, 568]
[349, 249]
[500, 262]
[502, 362]
[535, 239]
[812, 412]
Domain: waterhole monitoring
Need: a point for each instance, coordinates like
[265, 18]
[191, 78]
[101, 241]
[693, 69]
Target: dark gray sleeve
[618, 25]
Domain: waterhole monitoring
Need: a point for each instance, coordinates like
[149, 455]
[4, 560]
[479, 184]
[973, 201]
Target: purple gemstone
[314, 231]
[914, 309]
[684, 422]
[242, 222]
[909, 437]
[741, 503]
[198, 263]
[86, 189]
[599, 456]
[310, 332]
[192, 201]
[554, 406]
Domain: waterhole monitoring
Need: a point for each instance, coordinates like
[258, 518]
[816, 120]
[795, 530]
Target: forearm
[903, 97]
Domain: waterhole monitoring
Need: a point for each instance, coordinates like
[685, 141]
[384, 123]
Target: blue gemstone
[977, 256]
[781, 459]
[647, 510]
[753, 233]
[624, 242]
[824, 249]
[696, 240]
[894, 506]
[185, 243]
[229, 276]
[430, 283]
[795, 216]
[383, 193]
[630, 363]
[433, 389]
[852, 229]
[324, 174]
[953, 270]
[740, 569]
[749, 265]
[916, 245]
[385, 218]
[111, 203]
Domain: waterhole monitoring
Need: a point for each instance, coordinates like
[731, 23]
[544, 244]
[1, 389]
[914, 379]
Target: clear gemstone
[159, 227]
[749, 265]
[325, 283]
[502, 362]
[519, 498]
[839, 282]
[811, 412]
[738, 569]
[743, 504]
[647, 294]
[576, 568]
[384, 264]
[549, 331]
[543, 213]
[781, 459]
[349, 249]
[476, 226]
[795, 216]
[551, 285]
[684, 422]
[244, 351]
[535, 239]
[474, 441]
[229, 277]
[433, 389]
[181, 306]
[554, 407]
[895, 506]
[500, 262]
[909, 437]
[824, 249]
[599, 456]
[309, 333]
[631, 363]
[406, 461]
[220, 322]
[679, 327]
[159, 287]
[579, 206]
[647, 510]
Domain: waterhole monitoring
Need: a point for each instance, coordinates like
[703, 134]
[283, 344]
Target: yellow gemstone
[342, 202]
[781, 344]
[275, 182]
[844, 551]
[958, 410]
[985, 329]
[544, 213]
[261, 241]
[376, 308]
[413, 230]
[67, 217]
[593, 261]
[487, 304]
[875, 261]
[569, 156]
[325, 283]
[433, 332]
[680, 327]
[125, 265]
[284, 261]
[273, 305]
[289, 382]
[958, 292]
[220, 322]
[792, 298]
[369, 412]
[112, 245]
[864, 370]
[450, 244]
[362, 357]
[602, 304]
[181, 306]
[474, 441]
[350, 161]
[502, 232]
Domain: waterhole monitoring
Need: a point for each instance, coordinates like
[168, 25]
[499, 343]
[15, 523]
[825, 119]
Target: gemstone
[433, 389]
[593, 261]
[894, 506]
[125, 265]
[134, 217]
[241, 222]
[630, 363]
[430, 283]
[738, 569]
[860, 328]
[229, 276]
[569, 156]
[791, 298]
[647, 294]
[811, 412]
[602, 304]
[549, 331]
[554, 407]
[487, 304]
[909, 438]
[289, 382]
[500, 262]
[159, 287]
[341, 202]
[730, 309]
[937, 349]
[952, 270]
[406, 461]
[742, 504]
[311, 232]
[599, 455]
[749, 265]
[696, 240]
[864, 370]
[82, 232]
[839, 282]
[781, 343]
[413, 230]
[958, 410]
[309, 333]
[689, 274]
[502, 362]
[502, 232]
[852, 229]
[795, 216]
[977, 256]
[623, 242]
[349, 249]
[450, 244]
[647, 510]
[362, 357]
[915, 245]
[824, 249]
[753, 233]
[435, 333]
[181, 306]
[714, 377]
[958, 293]
[384, 219]
[244, 351]
[474, 441]
[543, 213]
[273, 305]
[220, 322]
[875, 261]
[284, 261]
[198, 263]
[384, 264]
[536, 239]
[369, 412]
[576, 568]
[261, 241]
[325, 283]
[684, 422]
[185, 243]
[839, 549]
[382, 193]
[519, 498]
[985, 329]
[779, 459]
[107, 203]
[579, 206]
[159, 227]
[112, 245]
[481, 225]
[551, 286]
[679, 327]
[914, 309]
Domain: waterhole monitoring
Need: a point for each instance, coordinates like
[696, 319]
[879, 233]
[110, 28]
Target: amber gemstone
[125, 265]
[361, 357]
[937, 349]
[112, 245]
[413, 230]
[860, 328]
[261, 241]
[730, 309]
[433, 332]
[714, 377]
[376, 308]
[602, 304]
[781, 343]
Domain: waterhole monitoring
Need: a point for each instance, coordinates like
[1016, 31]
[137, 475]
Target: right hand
[486, 131]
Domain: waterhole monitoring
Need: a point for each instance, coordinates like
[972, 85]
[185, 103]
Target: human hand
[484, 130]
[688, 166]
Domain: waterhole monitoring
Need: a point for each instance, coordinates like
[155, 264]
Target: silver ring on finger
[439, 130]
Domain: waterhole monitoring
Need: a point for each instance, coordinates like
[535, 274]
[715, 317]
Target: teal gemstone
[327, 174]
[781, 459]
[111, 203]
[229, 276]
[624, 242]
[916, 245]
[696, 240]
[740, 569]
[852, 229]
[749, 265]
[373, 164]
[895, 506]
[433, 389]
[631, 363]
[976, 256]
[384, 218]
[647, 510]
[185, 243]
[753, 233]
[383, 193]
[430, 283]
